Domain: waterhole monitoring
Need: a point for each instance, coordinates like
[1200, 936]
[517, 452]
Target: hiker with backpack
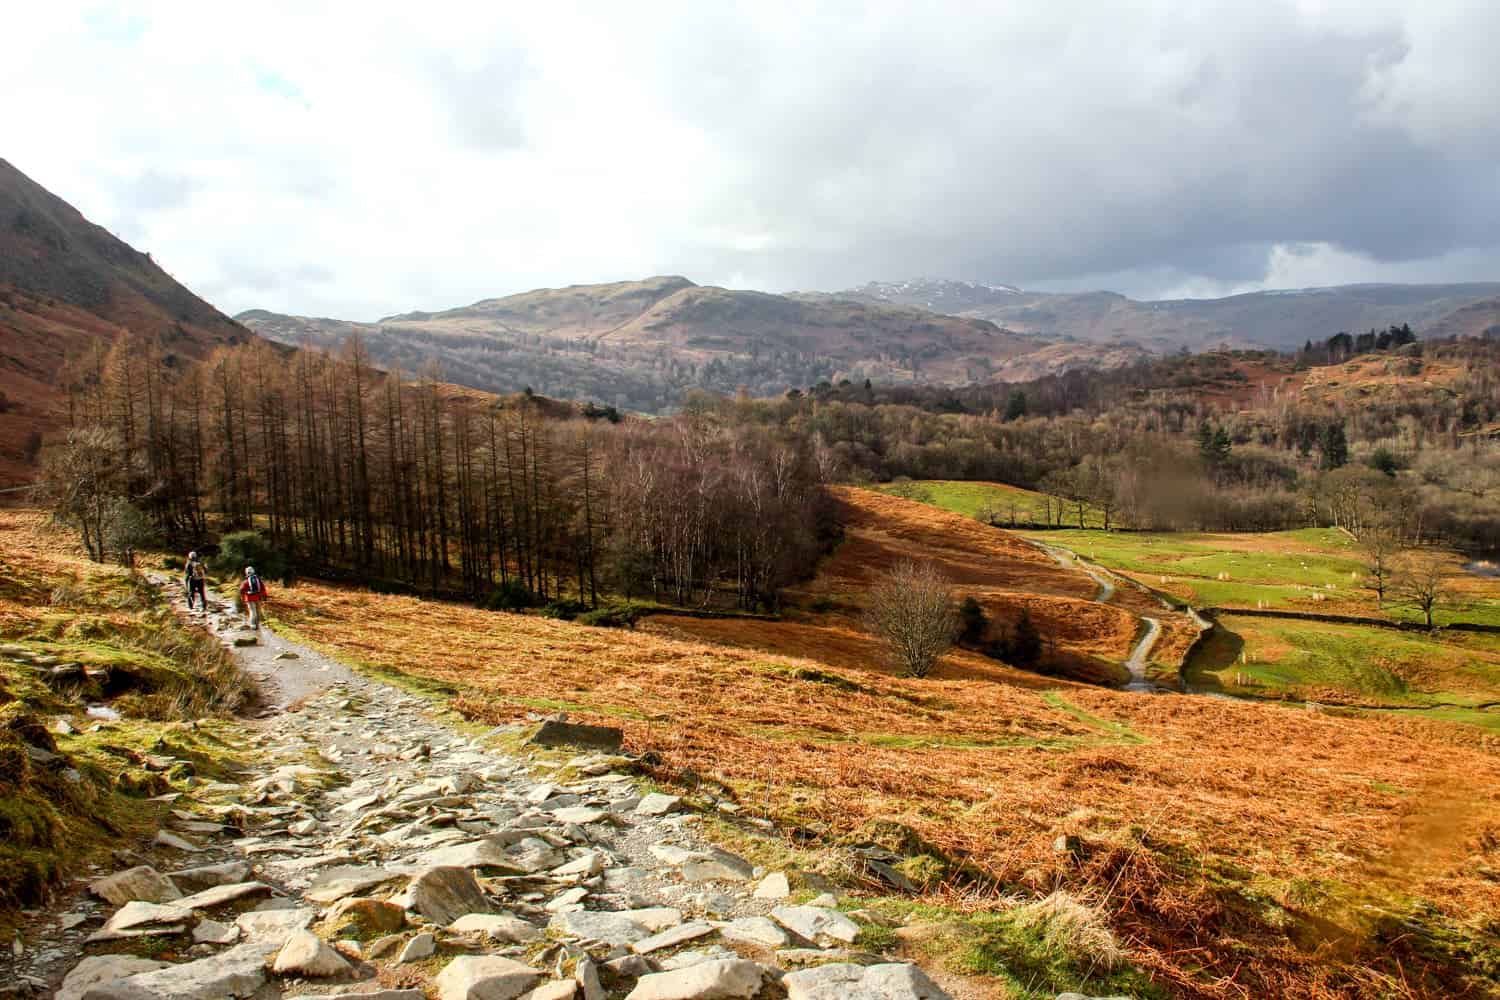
[196, 577]
[252, 592]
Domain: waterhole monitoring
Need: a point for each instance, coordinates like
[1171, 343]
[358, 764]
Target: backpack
[252, 586]
[195, 569]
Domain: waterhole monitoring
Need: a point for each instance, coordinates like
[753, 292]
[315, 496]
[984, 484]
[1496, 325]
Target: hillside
[642, 344]
[1276, 319]
[66, 283]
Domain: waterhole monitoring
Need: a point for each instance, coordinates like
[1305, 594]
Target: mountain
[641, 344]
[1275, 319]
[66, 283]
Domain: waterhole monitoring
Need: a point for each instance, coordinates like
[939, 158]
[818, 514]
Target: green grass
[1009, 504]
[1349, 664]
[1117, 731]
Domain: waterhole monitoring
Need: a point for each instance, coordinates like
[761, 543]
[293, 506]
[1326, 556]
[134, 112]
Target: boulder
[816, 922]
[726, 979]
[306, 954]
[567, 734]
[142, 883]
[444, 894]
[101, 970]
[484, 977]
[890, 981]
[238, 972]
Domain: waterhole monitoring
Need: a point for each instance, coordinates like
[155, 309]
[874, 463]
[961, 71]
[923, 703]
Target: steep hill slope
[640, 344]
[64, 283]
[1278, 319]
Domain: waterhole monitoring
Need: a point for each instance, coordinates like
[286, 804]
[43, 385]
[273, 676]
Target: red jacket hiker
[252, 592]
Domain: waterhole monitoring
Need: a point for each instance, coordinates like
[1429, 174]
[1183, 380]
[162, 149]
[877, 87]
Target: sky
[357, 160]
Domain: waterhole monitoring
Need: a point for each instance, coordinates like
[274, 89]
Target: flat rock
[816, 922]
[212, 932]
[345, 880]
[208, 876]
[658, 804]
[166, 838]
[142, 883]
[487, 852]
[558, 989]
[890, 981]
[100, 970]
[559, 734]
[726, 979]
[717, 866]
[137, 919]
[273, 927]
[444, 894]
[222, 894]
[496, 927]
[672, 937]
[306, 954]
[759, 931]
[774, 886]
[582, 815]
[484, 977]
[238, 972]
[376, 995]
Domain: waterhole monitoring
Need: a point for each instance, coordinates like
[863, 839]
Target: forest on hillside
[1186, 443]
[345, 470]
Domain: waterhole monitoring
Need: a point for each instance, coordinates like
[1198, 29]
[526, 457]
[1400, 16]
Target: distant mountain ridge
[66, 283]
[642, 344]
[1281, 319]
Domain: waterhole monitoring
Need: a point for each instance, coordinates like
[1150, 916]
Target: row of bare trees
[417, 483]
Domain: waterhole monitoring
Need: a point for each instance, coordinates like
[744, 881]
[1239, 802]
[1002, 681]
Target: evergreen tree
[1026, 647]
[1015, 405]
[1335, 446]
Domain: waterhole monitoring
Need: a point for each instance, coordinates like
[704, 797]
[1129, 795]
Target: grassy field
[1009, 504]
[1233, 848]
[58, 610]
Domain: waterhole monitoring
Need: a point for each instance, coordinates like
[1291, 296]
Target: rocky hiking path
[373, 849]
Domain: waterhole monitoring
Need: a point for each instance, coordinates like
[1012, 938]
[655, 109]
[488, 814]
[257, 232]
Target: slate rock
[142, 883]
[444, 894]
[306, 954]
[816, 922]
[208, 876]
[496, 927]
[484, 977]
[560, 734]
[726, 979]
[238, 972]
[101, 970]
[373, 917]
[888, 981]
[672, 937]
[423, 945]
[759, 931]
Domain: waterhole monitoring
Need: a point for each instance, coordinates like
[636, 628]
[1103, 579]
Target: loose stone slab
[727, 979]
[142, 883]
[138, 919]
[758, 931]
[774, 886]
[890, 981]
[814, 922]
[306, 954]
[657, 804]
[238, 972]
[484, 977]
[101, 970]
[208, 876]
[222, 894]
[558, 734]
[336, 883]
[673, 936]
[273, 927]
[496, 927]
[442, 895]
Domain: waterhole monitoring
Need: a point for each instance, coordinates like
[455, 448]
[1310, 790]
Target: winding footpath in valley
[1140, 655]
[374, 848]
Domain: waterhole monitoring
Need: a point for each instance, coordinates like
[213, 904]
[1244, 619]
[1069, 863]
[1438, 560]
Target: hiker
[252, 592]
[197, 581]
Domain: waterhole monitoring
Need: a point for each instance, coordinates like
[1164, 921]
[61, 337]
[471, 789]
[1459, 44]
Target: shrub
[512, 595]
[1026, 645]
[613, 616]
[972, 621]
[564, 609]
[239, 549]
